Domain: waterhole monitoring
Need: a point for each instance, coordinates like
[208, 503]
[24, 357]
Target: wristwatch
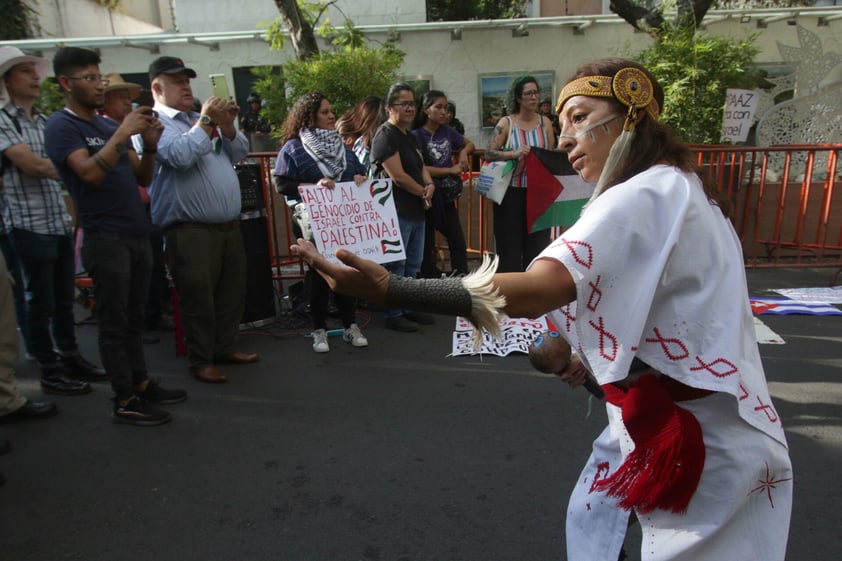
[205, 120]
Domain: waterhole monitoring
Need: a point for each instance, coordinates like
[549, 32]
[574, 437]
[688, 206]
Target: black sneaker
[58, 384]
[401, 323]
[420, 318]
[81, 369]
[138, 412]
[154, 393]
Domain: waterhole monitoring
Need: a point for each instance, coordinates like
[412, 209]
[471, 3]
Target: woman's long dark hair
[302, 115]
[362, 120]
[654, 142]
[427, 101]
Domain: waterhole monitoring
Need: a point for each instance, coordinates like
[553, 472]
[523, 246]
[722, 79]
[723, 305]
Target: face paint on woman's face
[589, 127]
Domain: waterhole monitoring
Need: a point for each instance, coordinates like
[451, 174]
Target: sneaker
[82, 369]
[320, 341]
[138, 412]
[401, 323]
[354, 336]
[59, 384]
[154, 393]
[420, 318]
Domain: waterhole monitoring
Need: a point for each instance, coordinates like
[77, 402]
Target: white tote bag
[494, 178]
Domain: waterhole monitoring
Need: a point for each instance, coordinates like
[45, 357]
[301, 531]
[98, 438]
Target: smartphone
[220, 86]
[145, 99]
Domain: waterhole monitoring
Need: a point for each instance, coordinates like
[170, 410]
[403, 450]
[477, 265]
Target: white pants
[739, 512]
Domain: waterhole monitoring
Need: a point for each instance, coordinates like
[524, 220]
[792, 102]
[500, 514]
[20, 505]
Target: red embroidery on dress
[603, 335]
[666, 342]
[710, 367]
[596, 294]
[767, 409]
[768, 484]
[601, 471]
[585, 262]
[744, 394]
[569, 319]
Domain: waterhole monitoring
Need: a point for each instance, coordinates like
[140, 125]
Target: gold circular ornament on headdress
[630, 86]
[633, 88]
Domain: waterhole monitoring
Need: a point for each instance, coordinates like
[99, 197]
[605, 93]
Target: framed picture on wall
[421, 83]
[493, 88]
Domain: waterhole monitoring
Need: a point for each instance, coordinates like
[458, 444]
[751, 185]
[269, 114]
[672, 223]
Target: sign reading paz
[740, 106]
[359, 218]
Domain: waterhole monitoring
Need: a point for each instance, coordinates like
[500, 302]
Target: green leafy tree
[459, 10]
[52, 98]
[348, 73]
[695, 70]
[20, 21]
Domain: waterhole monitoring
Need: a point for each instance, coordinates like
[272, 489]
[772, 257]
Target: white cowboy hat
[116, 82]
[12, 56]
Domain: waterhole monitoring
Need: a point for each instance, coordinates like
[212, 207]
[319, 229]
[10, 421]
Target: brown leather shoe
[238, 357]
[209, 374]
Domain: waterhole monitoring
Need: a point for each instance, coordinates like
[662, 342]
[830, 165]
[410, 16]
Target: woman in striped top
[513, 137]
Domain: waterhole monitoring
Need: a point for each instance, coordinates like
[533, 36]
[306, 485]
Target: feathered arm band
[473, 296]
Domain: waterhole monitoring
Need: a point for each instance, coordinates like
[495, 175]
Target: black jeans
[119, 265]
[47, 263]
[515, 246]
[444, 218]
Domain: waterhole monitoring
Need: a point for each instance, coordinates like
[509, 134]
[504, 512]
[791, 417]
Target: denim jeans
[47, 264]
[120, 266]
[412, 234]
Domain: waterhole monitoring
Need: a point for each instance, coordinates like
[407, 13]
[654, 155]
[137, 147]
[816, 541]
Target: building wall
[552, 8]
[199, 16]
[456, 64]
[86, 18]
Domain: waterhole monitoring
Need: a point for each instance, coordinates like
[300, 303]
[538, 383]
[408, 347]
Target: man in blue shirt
[196, 200]
[98, 163]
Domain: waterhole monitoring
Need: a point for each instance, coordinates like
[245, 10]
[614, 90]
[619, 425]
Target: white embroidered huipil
[659, 275]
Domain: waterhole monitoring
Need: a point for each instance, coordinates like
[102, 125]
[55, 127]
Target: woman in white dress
[649, 289]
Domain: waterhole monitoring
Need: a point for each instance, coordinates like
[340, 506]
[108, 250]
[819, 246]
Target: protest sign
[517, 335]
[740, 106]
[359, 218]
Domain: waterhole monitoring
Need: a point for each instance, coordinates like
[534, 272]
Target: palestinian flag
[785, 306]
[556, 193]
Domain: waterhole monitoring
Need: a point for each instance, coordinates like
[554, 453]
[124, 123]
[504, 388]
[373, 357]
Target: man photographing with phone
[97, 162]
[196, 199]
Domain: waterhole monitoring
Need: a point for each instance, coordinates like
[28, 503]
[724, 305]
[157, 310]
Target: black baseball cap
[168, 65]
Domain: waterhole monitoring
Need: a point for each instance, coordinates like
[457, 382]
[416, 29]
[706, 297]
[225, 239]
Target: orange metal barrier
[785, 212]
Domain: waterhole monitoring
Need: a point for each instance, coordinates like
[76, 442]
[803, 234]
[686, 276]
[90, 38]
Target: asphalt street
[395, 452]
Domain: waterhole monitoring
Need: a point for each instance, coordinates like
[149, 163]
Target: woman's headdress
[632, 88]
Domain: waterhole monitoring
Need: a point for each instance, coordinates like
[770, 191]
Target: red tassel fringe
[664, 469]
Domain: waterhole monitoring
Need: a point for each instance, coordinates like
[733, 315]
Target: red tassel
[664, 469]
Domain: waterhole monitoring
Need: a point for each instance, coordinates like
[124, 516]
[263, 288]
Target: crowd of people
[153, 169]
[683, 450]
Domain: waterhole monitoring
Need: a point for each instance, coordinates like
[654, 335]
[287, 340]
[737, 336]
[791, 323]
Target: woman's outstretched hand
[360, 277]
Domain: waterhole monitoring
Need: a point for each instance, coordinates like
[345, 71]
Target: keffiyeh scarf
[326, 147]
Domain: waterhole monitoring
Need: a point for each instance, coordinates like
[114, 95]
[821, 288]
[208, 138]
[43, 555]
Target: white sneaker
[320, 341]
[354, 336]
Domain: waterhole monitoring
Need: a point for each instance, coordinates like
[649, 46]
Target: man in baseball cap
[169, 65]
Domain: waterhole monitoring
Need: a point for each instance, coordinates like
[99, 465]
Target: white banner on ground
[518, 334]
[360, 218]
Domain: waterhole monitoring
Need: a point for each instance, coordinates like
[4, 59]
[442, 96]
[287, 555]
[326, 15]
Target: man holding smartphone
[97, 162]
[196, 199]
